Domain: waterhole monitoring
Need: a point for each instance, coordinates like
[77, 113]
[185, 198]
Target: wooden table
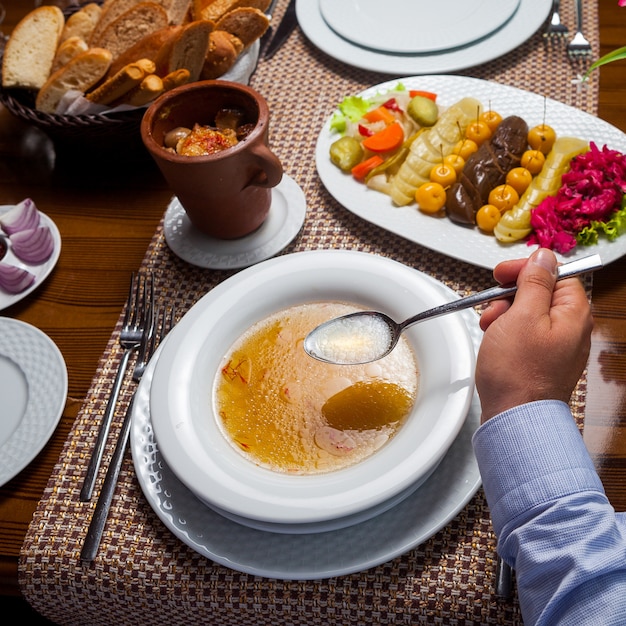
[107, 213]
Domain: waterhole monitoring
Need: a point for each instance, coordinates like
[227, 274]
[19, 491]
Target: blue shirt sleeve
[554, 523]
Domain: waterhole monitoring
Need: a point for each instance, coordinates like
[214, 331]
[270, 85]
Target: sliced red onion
[23, 216]
[15, 279]
[32, 246]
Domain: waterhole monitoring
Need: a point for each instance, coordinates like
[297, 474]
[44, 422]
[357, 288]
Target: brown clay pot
[227, 194]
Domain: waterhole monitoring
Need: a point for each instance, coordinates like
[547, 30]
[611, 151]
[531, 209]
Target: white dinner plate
[523, 24]
[439, 233]
[33, 389]
[187, 425]
[40, 271]
[283, 223]
[404, 27]
[307, 556]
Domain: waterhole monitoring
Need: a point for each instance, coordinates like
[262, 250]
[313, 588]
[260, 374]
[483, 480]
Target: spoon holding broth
[367, 336]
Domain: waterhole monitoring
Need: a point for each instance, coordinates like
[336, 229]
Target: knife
[287, 24]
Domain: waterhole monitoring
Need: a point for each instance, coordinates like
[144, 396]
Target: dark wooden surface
[107, 211]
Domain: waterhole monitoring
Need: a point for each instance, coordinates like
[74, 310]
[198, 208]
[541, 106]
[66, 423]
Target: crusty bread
[111, 10]
[149, 88]
[121, 82]
[224, 50]
[67, 50]
[132, 26]
[177, 10]
[82, 23]
[147, 47]
[219, 8]
[187, 49]
[246, 23]
[29, 53]
[197, 6]
[175, 79]
[81, 73]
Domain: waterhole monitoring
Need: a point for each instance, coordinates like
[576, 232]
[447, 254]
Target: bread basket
[107, 131]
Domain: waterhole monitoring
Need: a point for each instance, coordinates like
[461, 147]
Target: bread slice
[82, 23]
[111, 10]
[175, 79]
[132, 26]
[121, 82]
[219, 8]
[67, 50]
[147, 47]
[186, 50]
[29, 53]
[177, 10]
[149, 88]
[197, 6]
[81, 73]
[246, 23]
[224, 49]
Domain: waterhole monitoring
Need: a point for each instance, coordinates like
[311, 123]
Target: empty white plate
[415, 26]
[33, 389]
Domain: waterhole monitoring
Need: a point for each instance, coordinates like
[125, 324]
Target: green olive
[345, 153]
[423, 110]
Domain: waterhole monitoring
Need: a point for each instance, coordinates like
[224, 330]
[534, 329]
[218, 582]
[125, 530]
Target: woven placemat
[143, 573]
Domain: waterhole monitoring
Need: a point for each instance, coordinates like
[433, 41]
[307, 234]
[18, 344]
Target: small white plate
[308, 556]
[40, 271]
[285, 219]
[418, 27]
[439, 233]
[33, 390]
[529, 17]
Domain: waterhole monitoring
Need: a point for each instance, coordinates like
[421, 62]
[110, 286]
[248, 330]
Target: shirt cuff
[531, 455]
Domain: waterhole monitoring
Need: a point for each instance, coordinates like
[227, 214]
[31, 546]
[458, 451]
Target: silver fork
[556, 31]
[161, 323]
[579, 46]
[135, 318]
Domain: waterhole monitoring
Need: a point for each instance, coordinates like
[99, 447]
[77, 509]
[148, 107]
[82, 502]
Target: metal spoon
[367, 336]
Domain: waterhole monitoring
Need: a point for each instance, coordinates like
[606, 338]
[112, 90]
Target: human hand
[536, 347]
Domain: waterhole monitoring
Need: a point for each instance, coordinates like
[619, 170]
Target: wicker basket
[105, 132]
[101, 131]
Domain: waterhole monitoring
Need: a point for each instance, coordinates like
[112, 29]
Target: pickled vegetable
[515, 224]
[423, 110]
[429, 148]
[345, 153]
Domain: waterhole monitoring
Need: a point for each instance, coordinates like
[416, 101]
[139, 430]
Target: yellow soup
[284, 410]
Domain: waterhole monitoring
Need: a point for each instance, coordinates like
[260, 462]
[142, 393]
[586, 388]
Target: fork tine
[132, 289]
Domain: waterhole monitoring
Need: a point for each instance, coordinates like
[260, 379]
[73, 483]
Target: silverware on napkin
[284, 29]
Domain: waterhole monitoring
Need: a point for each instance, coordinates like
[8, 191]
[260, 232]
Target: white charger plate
[529, 17]
[403, 26]
[308, 556]
[439, 233]
[283, 223]
[40, 271]
[33, 388]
